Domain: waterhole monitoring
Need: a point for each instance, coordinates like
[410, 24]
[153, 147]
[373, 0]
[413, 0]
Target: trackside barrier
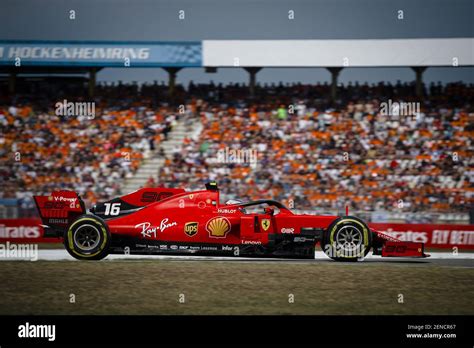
[440, 236]
[446, 236]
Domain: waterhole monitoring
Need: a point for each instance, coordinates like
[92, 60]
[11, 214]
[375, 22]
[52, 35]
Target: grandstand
[319, 147]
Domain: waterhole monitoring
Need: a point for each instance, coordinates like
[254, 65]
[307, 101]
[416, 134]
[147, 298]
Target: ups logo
[191, 228]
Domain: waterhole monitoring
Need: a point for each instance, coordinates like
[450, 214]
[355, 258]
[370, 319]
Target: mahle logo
[77, 109]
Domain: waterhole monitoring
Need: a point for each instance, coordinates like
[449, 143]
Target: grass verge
[219, 287]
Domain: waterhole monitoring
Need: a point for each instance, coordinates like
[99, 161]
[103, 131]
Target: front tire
[87, 238]
[347, 239]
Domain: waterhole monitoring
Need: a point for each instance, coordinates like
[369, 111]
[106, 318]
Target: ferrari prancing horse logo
[265, 224]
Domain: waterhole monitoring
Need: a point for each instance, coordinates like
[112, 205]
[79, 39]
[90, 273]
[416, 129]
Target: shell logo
[218, 227]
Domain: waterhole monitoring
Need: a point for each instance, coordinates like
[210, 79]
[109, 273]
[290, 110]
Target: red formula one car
[173, 221]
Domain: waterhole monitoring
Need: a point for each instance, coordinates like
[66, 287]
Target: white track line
[62, 255]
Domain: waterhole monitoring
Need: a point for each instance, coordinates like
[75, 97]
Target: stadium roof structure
[244, 53]
[34, 57]
[340, 53]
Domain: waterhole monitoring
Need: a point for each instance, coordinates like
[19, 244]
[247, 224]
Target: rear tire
[87, 238]
[347, 239]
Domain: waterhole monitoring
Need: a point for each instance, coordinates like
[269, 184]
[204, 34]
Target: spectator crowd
[41, 151]
[312, 152]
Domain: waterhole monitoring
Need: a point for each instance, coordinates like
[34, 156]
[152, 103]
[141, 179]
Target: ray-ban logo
[67, 108]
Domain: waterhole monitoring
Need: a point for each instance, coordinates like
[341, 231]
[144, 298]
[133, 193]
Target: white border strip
[338, 53]
[59, 255]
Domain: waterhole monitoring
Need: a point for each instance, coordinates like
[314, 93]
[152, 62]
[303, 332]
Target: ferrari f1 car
[173, 221]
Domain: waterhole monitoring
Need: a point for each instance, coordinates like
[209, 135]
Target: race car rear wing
[58, 211]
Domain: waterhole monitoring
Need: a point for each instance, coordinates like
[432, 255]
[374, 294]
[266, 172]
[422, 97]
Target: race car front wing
[387, 246]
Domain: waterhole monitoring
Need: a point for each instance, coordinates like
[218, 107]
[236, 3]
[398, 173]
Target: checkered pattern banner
[153, 54]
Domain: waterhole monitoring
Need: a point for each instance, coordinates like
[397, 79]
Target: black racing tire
[87, 238]
[348, 238]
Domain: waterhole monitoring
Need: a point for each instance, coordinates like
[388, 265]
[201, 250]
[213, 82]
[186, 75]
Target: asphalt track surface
[464, 260]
